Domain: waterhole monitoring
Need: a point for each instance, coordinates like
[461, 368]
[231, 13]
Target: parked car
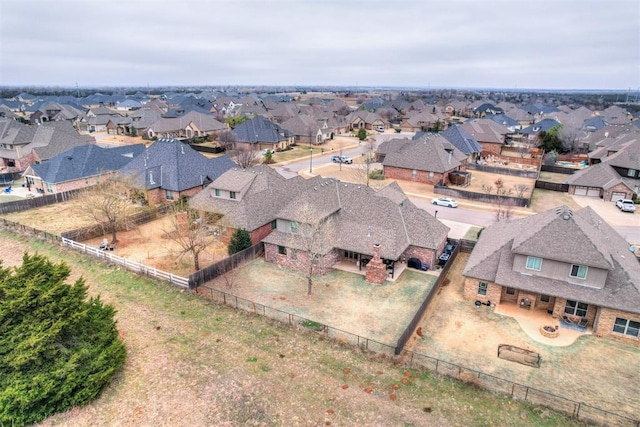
[341, 159]
[380, 128]
[417, 264]
[626, 205]
[445, 201]
[448, 248]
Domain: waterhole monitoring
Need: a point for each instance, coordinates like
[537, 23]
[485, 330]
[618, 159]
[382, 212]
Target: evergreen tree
[240, 240]
[362, 134]
[57, 350]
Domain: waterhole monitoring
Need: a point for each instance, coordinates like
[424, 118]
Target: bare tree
[109, 203]
[571, 137]
[226, 139]
[313, 235]
[343, 111]
[503, 203]
[190, 232]
[520, 189]
[244, 157]
[361, 172]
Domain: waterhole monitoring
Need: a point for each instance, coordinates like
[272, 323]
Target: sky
[510, 44]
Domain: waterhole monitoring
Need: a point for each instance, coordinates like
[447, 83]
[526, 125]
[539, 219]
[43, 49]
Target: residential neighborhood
[532, 231]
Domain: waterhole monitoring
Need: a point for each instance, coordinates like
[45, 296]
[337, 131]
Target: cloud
[498, 43]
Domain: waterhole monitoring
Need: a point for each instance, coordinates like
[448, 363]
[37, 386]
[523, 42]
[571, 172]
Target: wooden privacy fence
[136, 267]
[481, 197]
[553, 186]
[503, 171]
[91, 231]
[36, 202]
[558, 169]
[221, 267]
[417, 317]
[24, 229]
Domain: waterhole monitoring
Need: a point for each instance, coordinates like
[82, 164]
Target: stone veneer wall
[471, 291]
[300, 261]
[605, 321]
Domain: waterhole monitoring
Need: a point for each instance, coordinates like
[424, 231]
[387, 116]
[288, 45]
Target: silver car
[445, 201]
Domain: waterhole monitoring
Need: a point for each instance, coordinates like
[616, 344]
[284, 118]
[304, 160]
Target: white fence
[136, 267]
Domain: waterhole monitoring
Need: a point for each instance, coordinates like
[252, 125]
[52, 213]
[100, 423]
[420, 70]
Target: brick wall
[403, 174]
[490, 148]
[558, 311]
[158, 196]
[471, 291]
[299, 260]
[606, 320]
[260, 233]
[619, 188]
[423, 254]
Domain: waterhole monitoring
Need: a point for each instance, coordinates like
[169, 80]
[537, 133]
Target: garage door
[581, 191]
[617, 196]
[593, 192]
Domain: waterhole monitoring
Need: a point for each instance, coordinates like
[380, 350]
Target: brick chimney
[376, 269]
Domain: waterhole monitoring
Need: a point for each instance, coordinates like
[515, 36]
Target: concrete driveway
[609, 211]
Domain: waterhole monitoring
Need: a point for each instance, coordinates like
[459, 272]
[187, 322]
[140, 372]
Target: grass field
[191, 362]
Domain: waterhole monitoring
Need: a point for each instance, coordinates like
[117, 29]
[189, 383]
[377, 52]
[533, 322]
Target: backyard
[599, 372]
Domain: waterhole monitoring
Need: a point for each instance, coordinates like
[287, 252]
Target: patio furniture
[7, 190]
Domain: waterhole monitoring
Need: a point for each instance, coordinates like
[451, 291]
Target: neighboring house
[23, 145]
[260, 133]
[614, 173]
[79, 167]
[269, 207]
[486, 108]
[566, 263]
[544, 125]
[136, 123]
[190, 125]
[169, 169]
[615, 115]
[128, 105]
[463, 141]
[506, 121]
[53, 112]
[363, 119]
[422, 121]
[489, 134]
[428, 160]
[308, 129]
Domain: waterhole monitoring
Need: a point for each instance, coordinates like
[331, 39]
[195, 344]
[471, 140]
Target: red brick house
[427, 160]
[274, 210]
[570, 264]
[169, 169]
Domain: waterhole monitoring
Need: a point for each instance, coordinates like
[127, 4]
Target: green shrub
[377, 174]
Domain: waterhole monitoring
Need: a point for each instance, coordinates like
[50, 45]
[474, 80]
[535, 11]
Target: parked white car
[445, 201]
[626, 205]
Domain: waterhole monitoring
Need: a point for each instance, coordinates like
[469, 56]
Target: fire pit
[549, 331]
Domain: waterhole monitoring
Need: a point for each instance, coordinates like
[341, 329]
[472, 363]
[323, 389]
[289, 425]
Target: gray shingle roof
[84, 161]
[462, 140]
[584, 238]
[433, 153]
[172, 165]
[259, 129]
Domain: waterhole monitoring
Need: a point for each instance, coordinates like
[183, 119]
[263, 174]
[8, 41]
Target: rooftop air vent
[564, 212]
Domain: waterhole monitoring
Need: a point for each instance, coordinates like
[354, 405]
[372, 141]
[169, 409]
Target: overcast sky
[553, 44]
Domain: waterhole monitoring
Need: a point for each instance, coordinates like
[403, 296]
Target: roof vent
[564, 212]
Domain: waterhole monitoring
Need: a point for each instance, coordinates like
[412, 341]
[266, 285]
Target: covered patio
[350, 266]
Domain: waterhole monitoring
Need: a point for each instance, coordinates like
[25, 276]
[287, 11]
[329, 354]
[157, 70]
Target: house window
[274, 224]
[232, 194]
[510, 291]
[49, 188]
[282, 250]
[482, 288]
[218, 192]
[168, 194]
[534, 263]
[294, 254]
[578, 271]
[413, 173]
[576, 308]
[626, 327]
[631, 173]
[431, 175]
[545, 298]
[86, 181]
[294, 227]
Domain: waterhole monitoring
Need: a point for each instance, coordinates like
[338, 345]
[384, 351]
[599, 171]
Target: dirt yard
[596, 371]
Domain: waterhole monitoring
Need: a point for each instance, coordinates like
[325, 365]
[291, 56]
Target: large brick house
[614, 173]
[489, 134]
[570, 264]
[79, 167]
[273, 208]
[428, 160]
[169, 169]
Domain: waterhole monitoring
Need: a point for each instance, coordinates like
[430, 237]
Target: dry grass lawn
[596, 371]
[193, 363]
